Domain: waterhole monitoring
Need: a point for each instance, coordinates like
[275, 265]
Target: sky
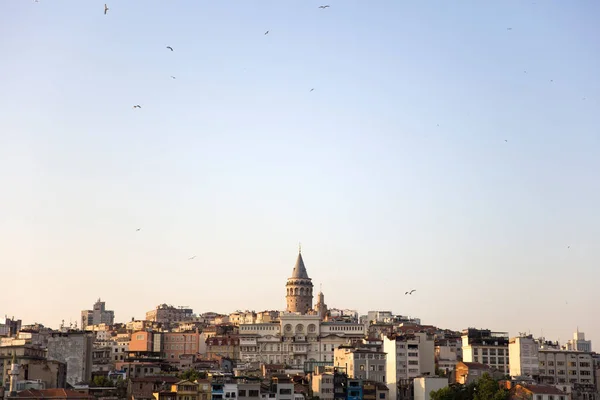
[447, 147]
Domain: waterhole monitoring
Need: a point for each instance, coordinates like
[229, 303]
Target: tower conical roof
[299, 269]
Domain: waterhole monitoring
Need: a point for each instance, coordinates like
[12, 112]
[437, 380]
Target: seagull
[170, 48]
[105, 9]
[172, 77]
[267, 32]
[411, 292]
[191, 258]
[137, 106]
[324, 7]
[506, 140]
[312, 89]
[138, 229]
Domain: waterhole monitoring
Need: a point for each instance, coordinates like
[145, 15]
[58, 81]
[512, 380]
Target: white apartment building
[335, 334]
[523, 356]
[486, 347]
[261, 343]
[408, 356]
[300, 338]
[361, 363]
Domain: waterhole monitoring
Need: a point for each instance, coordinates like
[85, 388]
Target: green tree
[192, 375]
[489, 389]
[101, 381]
[447, 393]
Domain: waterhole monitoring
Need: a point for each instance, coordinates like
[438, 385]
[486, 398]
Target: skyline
[439, 151]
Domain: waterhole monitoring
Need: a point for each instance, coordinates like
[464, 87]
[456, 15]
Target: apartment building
[523, 356]
[175, 345]
[408, 356]
[578, 343]
[75, 349]
[97, 315]
[361, 363]
[563, 366]
[166, 314]
[335, 334]
[323, 386]
[486, 347]
[261, 343]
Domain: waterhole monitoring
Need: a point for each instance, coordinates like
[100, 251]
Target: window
[539, 397]
[285, 391]
[362, 367]
[413, 362]
[551, 363]
[380, 368]
[584, 364]
[242, 392]
[382, 395]
[253, 393]
[560, 363]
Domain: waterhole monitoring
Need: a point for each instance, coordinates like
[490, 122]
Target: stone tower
[299, 289]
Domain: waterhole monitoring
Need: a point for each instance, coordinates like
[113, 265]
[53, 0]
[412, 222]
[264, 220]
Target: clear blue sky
[235, 160]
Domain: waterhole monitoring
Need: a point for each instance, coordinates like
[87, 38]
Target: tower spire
[299, 248]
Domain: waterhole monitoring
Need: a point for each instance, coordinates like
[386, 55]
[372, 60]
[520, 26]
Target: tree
[486, 388]
[447, 393]
[192, 375]
[101, 381]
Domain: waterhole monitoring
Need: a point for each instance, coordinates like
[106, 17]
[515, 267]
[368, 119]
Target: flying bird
[105, 9]
[324, 7]
[191, 258]
[138, 229]
[172, 77]
[137, 106]
[506, 140]
[568, 247]
[267, 32]
[411, 292]
[312, 89]
[509, 29]
[170, 48]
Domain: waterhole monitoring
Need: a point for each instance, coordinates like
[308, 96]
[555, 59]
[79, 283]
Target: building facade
[523, 356]
[98, 315]
[486, 347]
[75, 350]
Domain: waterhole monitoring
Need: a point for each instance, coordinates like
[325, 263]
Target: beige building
[558, 367]
[523, 356]
[322, 386]
[486, 347]
[361, 363]
[166, 314]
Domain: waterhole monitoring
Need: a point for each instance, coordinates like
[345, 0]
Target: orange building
[141, 341]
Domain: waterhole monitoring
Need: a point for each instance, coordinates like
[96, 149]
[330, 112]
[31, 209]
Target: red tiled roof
[53, 394]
